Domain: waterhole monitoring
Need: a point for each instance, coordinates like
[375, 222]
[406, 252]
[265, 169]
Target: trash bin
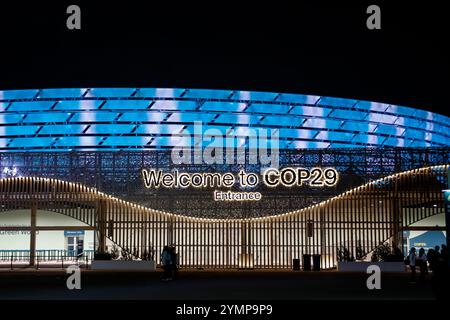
[296, 264]
[316, 262]
[306, 262]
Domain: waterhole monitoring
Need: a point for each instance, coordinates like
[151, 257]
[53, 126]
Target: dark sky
[304, 47]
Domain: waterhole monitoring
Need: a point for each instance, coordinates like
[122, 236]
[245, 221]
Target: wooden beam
[424, 228]
[33, 234]
[47, 228]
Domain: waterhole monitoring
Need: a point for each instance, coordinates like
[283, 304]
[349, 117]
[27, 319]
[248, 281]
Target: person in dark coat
[422, 263]
[166, 263]
[412, 264]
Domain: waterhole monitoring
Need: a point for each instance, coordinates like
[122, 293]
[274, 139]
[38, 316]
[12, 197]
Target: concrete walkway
[209, 285]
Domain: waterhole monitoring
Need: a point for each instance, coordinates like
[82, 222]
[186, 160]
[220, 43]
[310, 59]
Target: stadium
[72, 163]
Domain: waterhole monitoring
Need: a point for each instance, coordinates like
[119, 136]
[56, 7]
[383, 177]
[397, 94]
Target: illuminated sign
[236, 196]
[287, 177]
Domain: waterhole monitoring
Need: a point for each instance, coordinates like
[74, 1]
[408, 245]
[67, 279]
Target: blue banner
[73, 233]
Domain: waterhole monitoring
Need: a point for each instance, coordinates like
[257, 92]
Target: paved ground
[210, 285]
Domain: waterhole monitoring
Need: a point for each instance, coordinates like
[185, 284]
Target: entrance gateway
[80, 153]
[267, 242]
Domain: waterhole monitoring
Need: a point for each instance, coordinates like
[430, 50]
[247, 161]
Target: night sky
[307, 48]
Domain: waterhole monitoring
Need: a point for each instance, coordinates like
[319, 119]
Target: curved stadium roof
[157, 118]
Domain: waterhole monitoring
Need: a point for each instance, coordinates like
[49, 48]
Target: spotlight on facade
[9, 172]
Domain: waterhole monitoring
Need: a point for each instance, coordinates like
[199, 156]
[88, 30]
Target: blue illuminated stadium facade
[145, 118]
[103, 137]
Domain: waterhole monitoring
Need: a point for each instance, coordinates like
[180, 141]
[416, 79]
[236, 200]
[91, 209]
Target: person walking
[444, 254]
[412, 264]
[431, 259]
[166, 263]
[422, 263]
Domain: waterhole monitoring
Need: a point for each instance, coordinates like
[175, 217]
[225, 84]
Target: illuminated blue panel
[172, 141]
[257, 96]
[31, 105]
[18, 130]
[389, 130]
[322, 123]
[110, 92]
[420, 144]
[190, 117]
[126, 141]
[78, 141]
[63, 129]
[46, 117]
[348, 114]
[3, 106]
[441, 119]
[369, 139]
[126, 104]
[237, 141]
[143, 116]
[159, 128]
[247, 132]
[336, 102]
[43, 142]
[61, 93]
[282, 121]
[211, 94]
[437, 138]
[78, 104]
[372, 106]
[174, 105]
[335, 136]
[423, 114]
[282, 144]
[395, 142]
[430, 126]
[345, 145]
[311, 111]
[268, 108]
[18, 94]
[298, 98]
[409, 122]
[3, 142]
[159, 92]
[414, 134]
[383, 118]
[237, 119]
[223, 106]
[359, 126]
[297, 133]
[299, 144]
[10, 118]
[93, 116]
[109, 129]
[400, 110]
[255, 143]
[208, 130]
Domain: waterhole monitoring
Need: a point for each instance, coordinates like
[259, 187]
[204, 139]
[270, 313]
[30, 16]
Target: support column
[170, 232]
[101, 225]
[395, 223]
[447, 211]
[243, 238]
[33, 234]
[396, 219]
